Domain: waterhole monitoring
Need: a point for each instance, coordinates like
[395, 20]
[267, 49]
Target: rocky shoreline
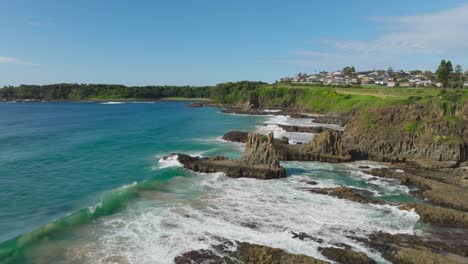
[430, 156]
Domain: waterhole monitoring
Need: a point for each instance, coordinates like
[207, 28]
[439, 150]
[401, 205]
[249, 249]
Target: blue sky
[204, 42]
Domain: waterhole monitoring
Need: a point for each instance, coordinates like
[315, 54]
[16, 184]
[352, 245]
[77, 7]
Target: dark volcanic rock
[346, 256]
[345, 193]
[236, 136]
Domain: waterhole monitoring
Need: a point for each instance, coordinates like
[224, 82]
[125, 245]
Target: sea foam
[255, 211]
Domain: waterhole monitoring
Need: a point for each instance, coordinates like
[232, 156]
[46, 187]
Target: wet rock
[256, 254]
[346, 193]
[310, 182]
[346, 256]
[236, 136]
[232, 168]
[245, 253]
[195, 104]
[417, 249]
[199, 257]
[305, 236]
[440, 193]
[439, 216]
[258, 111]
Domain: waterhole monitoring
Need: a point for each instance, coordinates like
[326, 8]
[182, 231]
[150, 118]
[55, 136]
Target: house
[367, 80]
[407, 84]
[465, 84]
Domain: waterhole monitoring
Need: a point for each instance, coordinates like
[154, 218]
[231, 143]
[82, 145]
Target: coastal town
[387, 78]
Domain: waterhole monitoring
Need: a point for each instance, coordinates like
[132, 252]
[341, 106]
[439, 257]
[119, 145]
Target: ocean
[87, 183]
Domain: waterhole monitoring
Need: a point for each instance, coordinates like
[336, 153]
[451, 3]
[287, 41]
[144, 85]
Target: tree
[348, 70]
[458, 72]
[444, 71]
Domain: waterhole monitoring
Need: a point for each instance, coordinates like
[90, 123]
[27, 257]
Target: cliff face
[421, 133]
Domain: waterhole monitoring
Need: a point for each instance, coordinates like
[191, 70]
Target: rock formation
[259, 161]
[259, 149]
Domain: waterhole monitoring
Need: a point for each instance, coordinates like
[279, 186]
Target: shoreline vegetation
[420, 134]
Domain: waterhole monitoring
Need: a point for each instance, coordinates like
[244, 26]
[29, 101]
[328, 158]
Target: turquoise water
[83, 183]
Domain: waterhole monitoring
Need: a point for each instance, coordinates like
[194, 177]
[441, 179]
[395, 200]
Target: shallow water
[97, 169]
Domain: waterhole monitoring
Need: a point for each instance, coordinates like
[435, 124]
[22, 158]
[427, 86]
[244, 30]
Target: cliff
[424, 134]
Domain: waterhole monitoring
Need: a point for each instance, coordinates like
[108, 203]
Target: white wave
[143, 102]
[255, 211]
[271, 110]
[112, 103]
[278, 132]
[169, 161]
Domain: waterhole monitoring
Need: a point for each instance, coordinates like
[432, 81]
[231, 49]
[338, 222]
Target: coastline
[377, 243]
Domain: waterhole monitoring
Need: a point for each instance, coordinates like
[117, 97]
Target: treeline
[99, 91]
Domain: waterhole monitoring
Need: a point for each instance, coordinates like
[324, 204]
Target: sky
[204, 42]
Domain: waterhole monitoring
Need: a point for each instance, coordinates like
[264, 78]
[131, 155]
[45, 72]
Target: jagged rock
[245, 253]
[259, 149]
[326, 147]
[346, 256]
[236, 136]
[345, 193]
[439, 216]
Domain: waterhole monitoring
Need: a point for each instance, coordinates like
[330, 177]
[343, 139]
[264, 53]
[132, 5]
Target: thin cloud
[442, 33]
[11, 60]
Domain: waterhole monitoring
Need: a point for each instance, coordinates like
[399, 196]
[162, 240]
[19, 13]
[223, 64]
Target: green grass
[339, 100]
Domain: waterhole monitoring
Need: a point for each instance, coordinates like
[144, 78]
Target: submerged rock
[345, 193]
